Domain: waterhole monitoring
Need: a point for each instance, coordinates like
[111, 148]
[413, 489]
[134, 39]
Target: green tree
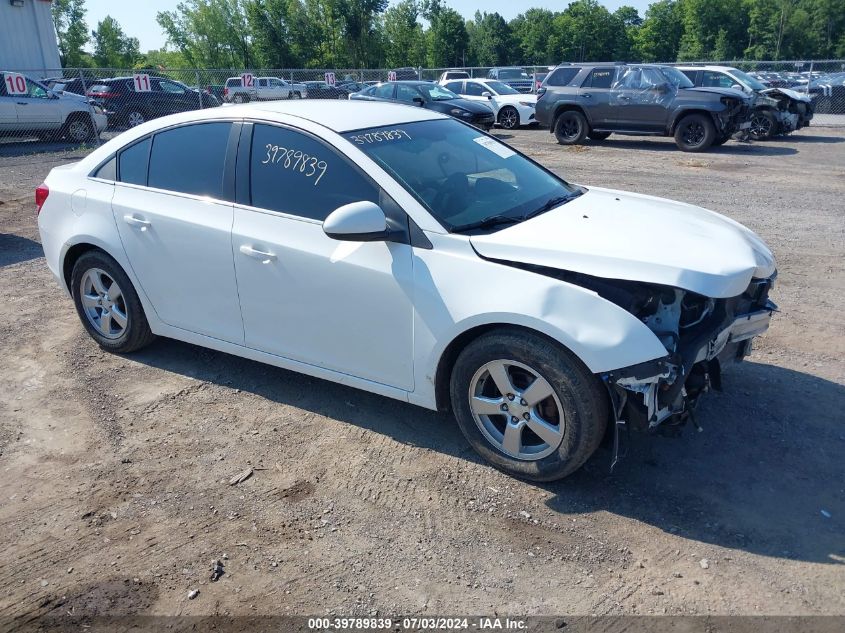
[489, 39]
[532, 33]
[403, 35]
[703, 22]
[363, 39]
[586, 31]
[269, 26]
[112, 47]
[71, 32]
[446, 38]
[209, 33]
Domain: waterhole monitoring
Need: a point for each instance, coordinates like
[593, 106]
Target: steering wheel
[453, 194]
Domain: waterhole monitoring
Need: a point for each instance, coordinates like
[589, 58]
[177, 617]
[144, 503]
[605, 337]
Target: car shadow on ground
[731, 147]
[15, 249]
[811, 139]
[765, 476]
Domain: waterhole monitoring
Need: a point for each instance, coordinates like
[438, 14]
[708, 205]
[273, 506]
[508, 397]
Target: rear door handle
[264, 256]
[22, 103]
[131, 220]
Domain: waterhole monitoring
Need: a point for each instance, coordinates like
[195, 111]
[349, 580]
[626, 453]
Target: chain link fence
[70, 108]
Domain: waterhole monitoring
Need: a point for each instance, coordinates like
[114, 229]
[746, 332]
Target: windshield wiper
[486, 223]
[550, 204]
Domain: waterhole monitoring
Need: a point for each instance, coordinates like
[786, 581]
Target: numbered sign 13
[330, 78]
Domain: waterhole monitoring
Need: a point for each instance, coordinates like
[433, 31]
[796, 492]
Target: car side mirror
[357, 222]
[736, 87]
[419, 101]
[487, 94]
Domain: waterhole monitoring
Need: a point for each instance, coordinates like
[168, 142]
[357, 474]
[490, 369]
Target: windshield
[437, 93]
[501, 89]
[513, 73]
[747, 79]
[676, 77]
[460, 175]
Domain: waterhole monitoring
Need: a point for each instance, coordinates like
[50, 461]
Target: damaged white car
[396, 250]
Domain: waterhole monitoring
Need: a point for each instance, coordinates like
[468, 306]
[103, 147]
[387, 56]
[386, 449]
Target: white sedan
[405, 253]
[512, 108]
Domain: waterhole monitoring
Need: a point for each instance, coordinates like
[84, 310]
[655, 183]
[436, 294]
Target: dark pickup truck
[596, 100]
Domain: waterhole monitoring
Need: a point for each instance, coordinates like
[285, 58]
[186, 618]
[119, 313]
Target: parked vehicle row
[262, 89]
[34, 109]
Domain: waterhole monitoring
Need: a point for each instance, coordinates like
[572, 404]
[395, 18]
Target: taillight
[41, 193]
[225, 92]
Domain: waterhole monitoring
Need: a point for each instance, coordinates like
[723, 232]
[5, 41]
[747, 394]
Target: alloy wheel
[516, 409]
[103, 303]
[135, 118]
[508, 118]
[761, 126]
[569, 127]
[694, 133]
[78, 131]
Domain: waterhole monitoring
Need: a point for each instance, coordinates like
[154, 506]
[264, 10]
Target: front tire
[79, 129]
[508, 118]
[570, 128]
[108, 305]
[763, 125]
[530, 408]
[134, 118]
[695, 133]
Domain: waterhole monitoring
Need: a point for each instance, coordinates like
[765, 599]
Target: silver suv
[47, 114]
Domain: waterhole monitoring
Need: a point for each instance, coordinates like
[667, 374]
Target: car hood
[515, 99]
[792, 94]
[476, 107]
[727, 92]
[619, 235]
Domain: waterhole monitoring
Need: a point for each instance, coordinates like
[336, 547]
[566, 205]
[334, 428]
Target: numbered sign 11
[247, 80]
[391, 76]
[141, 81]
[330, 79]
[15, 83]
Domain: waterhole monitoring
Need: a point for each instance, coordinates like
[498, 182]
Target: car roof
[338, 116]
[704, 67]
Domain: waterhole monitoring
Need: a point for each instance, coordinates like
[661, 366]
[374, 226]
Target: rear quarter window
[600, 78]
[562, 76]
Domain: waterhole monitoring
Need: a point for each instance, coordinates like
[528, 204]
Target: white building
[28, 38]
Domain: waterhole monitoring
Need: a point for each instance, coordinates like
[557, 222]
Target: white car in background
[511, 107]
[48, 114]
[401, 251]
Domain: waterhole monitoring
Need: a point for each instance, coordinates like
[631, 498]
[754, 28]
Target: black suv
[126, 107]
[597, 100]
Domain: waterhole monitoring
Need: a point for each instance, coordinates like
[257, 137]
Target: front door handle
[131, 220]
[264, 256]
[587, 96]
[625, 97]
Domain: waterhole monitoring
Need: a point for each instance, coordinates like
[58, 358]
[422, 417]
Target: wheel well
[453, 350]
[682, 115]
[566, 107]
[82, 116]
[73, 254]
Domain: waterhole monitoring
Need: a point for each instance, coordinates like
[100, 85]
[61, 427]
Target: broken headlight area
[700, 335]
[736, 112]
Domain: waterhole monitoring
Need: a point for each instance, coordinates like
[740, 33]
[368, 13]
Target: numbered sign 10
[330, 79]
[247, 80]
[15, 83]
[141, 82]
[391, 76]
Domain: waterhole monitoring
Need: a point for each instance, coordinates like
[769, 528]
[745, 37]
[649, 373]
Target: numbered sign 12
[330, 78]
[141, 81]
[247, 80]
[391, 76]
[15, 83]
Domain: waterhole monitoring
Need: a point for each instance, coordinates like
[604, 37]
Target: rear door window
[190, 159]
[384, 91]
[132, 163]
[474, 89]
[600, 78]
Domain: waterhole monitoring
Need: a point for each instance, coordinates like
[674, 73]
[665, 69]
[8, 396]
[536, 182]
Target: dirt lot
[115, 470]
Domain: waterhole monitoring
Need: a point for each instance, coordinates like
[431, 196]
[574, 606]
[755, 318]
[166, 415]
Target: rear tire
[570, 128]
[240, 98]
[135, 118]
[763, 125]
[551, 427]
[108, 305]
[599, 136]
[695, 133]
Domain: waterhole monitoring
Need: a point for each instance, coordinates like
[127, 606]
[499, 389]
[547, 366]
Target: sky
[138, 19]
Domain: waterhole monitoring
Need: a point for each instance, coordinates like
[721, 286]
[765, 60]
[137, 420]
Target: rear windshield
[513, 73]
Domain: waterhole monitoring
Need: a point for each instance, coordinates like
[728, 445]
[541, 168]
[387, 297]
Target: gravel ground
[115, 487]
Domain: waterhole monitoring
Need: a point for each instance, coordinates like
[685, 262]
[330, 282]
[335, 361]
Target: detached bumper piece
[660, 395]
